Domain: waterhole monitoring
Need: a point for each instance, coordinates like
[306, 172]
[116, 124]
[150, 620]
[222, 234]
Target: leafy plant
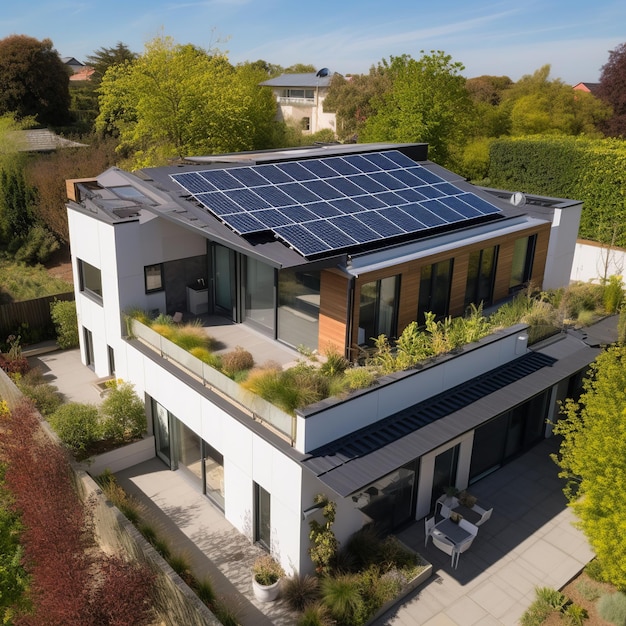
[123, 413]
[77, 425]
[324, 544]
[575, 614]
[63, 314]
[552, 597]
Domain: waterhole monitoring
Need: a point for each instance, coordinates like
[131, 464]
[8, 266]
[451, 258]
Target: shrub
[124, 415]
[594, 570]
[612, 608]
[300, 591]
[204, 590]
[588, 590]
[613, 294]
[575, 614]
[206, 356]
[65, 322]
[324, 544]
[189, 336]
[359, 377]
[552, 597]
[334, 364]
[315, 615]
[45, 396]
[342, 595]
[76, 424]
[237, 360]
[180, 564]
[14, 366]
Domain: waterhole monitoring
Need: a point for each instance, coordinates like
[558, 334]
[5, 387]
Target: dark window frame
[86, 274]
[148, 268]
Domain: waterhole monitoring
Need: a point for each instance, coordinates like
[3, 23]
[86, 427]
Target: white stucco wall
[594, 262]
[563, 234]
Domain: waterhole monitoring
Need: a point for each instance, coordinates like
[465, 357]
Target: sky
[500, 38]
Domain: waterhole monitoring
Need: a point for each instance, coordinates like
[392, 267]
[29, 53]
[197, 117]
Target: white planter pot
[265, 593]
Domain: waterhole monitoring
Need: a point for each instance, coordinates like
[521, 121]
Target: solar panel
[333, 203]
[302, 239]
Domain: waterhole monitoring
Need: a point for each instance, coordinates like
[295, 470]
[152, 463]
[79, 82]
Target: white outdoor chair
[444, 545]
[429, 525]
[446, 504]
[466, 545]
[469, 527]
[484, 517]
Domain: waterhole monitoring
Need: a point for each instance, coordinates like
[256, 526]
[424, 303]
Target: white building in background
[326, 246]
[300, 99]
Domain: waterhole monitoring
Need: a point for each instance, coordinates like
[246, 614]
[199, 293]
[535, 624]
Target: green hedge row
[590, 170]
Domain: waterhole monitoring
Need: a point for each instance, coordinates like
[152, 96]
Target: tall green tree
[612, 90]
[427, 102]
[350, 98]
[33, 80]
[537, 105]
[178, 100]
[592, 458]
[103, 58]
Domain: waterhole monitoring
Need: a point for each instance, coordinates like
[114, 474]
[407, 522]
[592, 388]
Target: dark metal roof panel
[353, 462]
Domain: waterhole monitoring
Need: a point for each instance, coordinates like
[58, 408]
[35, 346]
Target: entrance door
[446, 465]
[162, 436]
[224, 281]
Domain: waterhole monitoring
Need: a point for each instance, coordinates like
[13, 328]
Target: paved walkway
[528, 542]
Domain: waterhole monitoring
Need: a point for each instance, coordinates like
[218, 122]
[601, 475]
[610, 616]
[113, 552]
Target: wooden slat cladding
[505, 259]
[410, 275]
[333, 319]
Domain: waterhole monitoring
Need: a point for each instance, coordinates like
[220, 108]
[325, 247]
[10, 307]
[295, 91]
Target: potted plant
[266, 575]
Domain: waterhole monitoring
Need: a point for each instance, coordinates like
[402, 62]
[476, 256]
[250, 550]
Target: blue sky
[505, 37]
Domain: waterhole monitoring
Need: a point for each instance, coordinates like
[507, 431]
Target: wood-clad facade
[340, 294]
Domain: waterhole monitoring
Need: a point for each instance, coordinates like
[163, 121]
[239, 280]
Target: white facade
[595, 262]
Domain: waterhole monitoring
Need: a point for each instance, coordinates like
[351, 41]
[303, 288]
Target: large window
[523, 256]
[298, 308]
[90, 279]
[434, 296]
[259, 292]
[480, 276]
[378, 309]
[298, 94]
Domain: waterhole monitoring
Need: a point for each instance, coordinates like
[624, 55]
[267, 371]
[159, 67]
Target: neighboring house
[325, 246]
[73, 64]
[300, 99]
[82, 74]
[588, 87]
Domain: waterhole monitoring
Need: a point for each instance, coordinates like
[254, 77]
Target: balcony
[296, 101]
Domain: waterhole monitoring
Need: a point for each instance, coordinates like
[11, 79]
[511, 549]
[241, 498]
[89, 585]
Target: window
[480, 276]
[378, 309]
[299, 307]
[90, 280]
[89, 355]
[305, 123]
[434, 296]
[262, 517]
[299, 94]
[153, 275]
[523, 256]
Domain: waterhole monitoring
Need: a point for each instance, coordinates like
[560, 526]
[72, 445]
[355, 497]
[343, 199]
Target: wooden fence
[35, 313]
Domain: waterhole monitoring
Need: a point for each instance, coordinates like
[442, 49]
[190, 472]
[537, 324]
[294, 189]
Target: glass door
[224, 281]
[445, 470]
[259, 289]
[161, 423]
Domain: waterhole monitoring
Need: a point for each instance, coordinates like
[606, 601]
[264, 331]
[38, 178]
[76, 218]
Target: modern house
[300, 99]
[325, 246]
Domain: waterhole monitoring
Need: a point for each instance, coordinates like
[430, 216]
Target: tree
[104, 58]
[33, 80]
[538, 105]
[612, 90]
[351, 99]
[175, 100]
[427, 102]
[592, 458]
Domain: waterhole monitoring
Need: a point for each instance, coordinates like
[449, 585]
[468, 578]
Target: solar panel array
[333, 203]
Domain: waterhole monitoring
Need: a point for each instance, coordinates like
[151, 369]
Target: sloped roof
[42, 140]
